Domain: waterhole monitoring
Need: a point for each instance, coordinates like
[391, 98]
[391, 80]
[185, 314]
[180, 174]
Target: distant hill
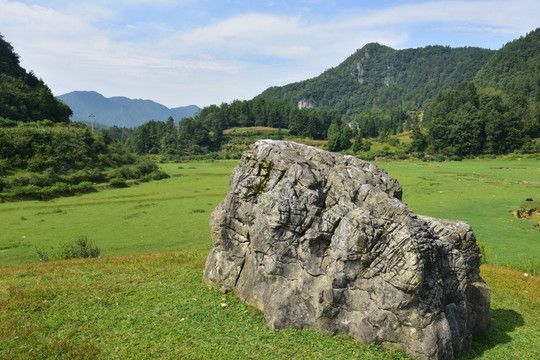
[379, 77]
[120, 111]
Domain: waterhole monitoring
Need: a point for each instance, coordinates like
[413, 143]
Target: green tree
[333, 137]
[169, 142]
[357, 145]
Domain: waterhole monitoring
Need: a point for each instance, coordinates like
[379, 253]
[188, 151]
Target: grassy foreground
[156, 306]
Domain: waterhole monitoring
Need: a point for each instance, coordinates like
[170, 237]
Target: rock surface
[321, 240]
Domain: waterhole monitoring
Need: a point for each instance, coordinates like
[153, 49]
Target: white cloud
[94, 46]
[514, 16]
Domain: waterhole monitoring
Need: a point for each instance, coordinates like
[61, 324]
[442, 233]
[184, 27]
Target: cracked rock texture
[321, 240]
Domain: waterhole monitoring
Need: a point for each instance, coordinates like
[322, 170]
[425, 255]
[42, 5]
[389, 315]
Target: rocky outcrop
[306, 104]
[321, 240]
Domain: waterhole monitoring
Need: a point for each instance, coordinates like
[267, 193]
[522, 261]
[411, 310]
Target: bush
[7, 122]
[127, 172]
[484, 249]
[83, 187]
[400, 155]
[41, 255]
[82, 248]
[118, 183]
[393, 141]
[146, 166]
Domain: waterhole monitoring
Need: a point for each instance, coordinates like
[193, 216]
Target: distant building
[354, 125]
[417, 112]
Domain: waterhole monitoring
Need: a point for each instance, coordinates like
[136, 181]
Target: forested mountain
[515, 67]
[120, 111]
[24, 97]
[377, 77]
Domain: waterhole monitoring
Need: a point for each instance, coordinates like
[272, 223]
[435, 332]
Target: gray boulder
[321, 240]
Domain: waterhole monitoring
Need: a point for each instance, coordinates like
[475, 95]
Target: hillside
[379, 77]
[121, 111]
[515, 66]
[24, 97]
[42, 154]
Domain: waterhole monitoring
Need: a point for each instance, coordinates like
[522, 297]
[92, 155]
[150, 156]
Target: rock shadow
[503, 322]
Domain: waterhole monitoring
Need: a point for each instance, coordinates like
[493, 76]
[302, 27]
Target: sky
[204, 52]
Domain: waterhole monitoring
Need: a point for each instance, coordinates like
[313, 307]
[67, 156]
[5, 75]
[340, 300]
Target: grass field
[166, 215]
[155, 305]
[173, 214]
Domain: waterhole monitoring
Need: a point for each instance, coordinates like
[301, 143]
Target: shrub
[483, 251]
[159, 175]
[126, 172]
[4, 166]
[7, 122]
[146, 166]
[83, 187]
[393, 141]
[41, 255]
[400, 155]
[82, 248]
[118, 183]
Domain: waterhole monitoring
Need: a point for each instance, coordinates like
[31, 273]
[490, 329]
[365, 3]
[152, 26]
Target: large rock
[320, 240]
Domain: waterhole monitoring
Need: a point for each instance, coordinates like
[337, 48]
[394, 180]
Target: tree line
[204, 132]
[460, 121]
[471, 121]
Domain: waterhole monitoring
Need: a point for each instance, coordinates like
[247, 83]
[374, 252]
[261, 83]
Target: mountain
[120, 111]
[379, 77]
[516, 65]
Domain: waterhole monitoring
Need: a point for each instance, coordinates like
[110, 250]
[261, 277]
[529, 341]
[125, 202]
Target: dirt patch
[530, 214]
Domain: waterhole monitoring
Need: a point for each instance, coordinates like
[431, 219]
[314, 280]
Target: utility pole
[92, 116]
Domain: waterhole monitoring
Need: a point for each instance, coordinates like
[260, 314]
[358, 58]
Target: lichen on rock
[321, 240]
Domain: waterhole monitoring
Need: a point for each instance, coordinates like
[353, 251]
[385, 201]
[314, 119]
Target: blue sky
[206, 52]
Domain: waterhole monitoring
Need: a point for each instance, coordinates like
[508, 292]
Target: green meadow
[166, 215]
[144, 298]
[173, 214]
